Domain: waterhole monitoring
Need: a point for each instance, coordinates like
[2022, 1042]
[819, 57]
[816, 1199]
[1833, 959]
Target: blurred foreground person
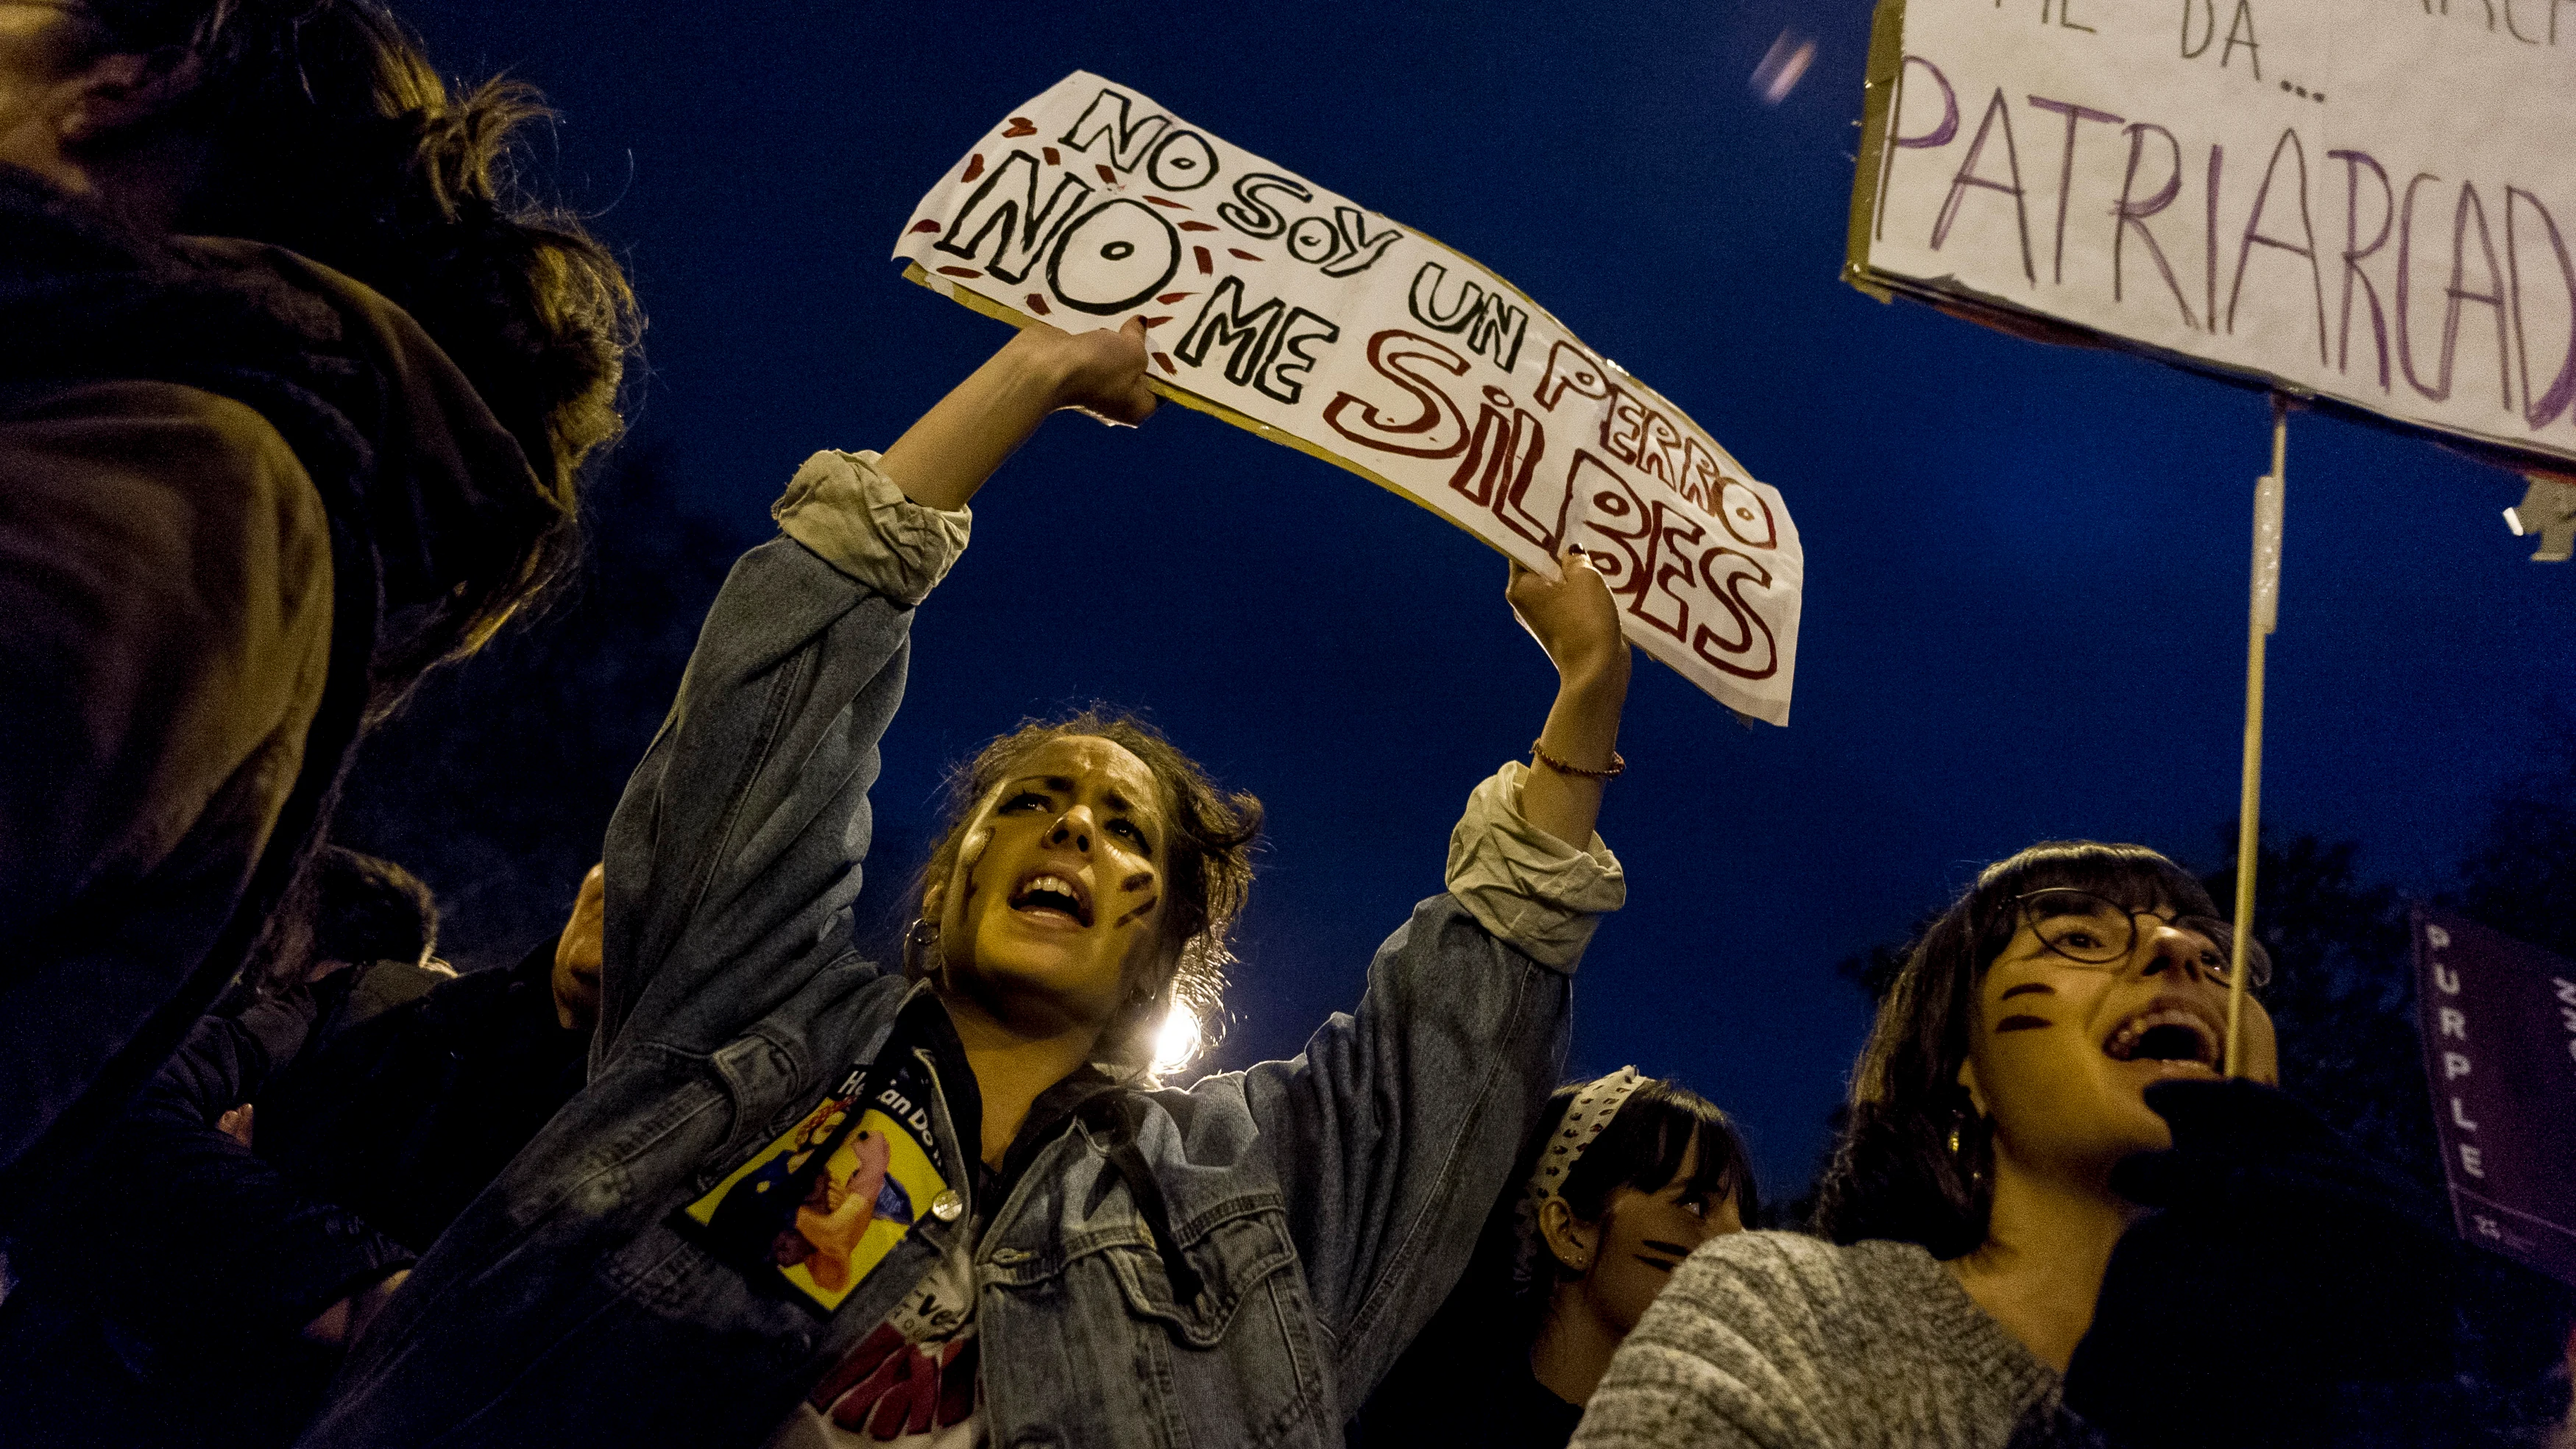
[1623, 1178]
[808, 1200]
[2043, 1168]
[264, 1196]
[292, 401]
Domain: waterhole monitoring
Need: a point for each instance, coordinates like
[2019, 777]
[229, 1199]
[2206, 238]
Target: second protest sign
[2365, 200]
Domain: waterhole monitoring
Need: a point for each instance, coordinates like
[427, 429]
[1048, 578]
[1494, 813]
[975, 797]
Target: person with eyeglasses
[2050, 1221]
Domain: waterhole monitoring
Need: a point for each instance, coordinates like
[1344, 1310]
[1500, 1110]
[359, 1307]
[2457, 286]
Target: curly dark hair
[1208, 863]
[329, 133]
[1893, 1173]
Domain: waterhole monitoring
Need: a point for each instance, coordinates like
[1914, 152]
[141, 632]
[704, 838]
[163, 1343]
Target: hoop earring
[1973, 1173]
[922, 954]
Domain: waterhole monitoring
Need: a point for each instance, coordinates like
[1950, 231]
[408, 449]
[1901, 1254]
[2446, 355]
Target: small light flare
[1176, 1041]
[1782, 67]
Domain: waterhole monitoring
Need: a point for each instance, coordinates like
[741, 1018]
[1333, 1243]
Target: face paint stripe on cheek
[1138, 881]
[1137, 914]
[2022, 1023]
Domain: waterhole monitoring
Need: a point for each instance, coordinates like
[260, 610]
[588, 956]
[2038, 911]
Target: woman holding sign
[2042, 1073]
[809, 1200]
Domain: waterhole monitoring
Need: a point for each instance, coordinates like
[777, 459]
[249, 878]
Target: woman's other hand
[1573, 618]
[2285, 1280]
[1576, 621]
[580, 954]
[346, 1321]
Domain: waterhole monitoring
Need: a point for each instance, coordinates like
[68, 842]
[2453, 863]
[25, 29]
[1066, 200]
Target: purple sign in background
[2499, 1023]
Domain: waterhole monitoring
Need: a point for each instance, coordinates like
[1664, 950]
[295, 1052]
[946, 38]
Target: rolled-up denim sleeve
[1395, 1129]
[734, 855]
[1524, 885]
[844, 508]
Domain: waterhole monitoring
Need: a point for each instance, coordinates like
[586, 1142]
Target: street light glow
[1176, 1041]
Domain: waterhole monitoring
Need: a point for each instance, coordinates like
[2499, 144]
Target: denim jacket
[1324, 1205]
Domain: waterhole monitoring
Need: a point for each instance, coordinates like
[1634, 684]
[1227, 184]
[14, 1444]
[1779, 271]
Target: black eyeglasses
[2091, 931]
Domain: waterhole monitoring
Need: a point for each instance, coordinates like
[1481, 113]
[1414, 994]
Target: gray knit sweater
[1789, 1342]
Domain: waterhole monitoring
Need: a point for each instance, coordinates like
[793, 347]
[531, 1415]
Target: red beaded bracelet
[1618, 766]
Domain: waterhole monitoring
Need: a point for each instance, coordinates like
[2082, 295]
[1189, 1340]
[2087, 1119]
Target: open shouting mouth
[2174, 1030]
[1044, 892]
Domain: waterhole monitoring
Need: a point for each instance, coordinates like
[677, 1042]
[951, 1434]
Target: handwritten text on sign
[2499, 1021]
[1296, 312]
[2373, 200]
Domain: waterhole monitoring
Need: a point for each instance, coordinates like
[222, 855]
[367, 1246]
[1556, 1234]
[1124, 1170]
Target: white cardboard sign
[2373, 201]
[1301, 315]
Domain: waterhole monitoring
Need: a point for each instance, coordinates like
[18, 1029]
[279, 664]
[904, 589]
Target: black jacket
[403, 1115]
[173, 1278]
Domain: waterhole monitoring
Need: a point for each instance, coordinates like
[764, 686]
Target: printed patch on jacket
[912, 1383]
[823, 1204]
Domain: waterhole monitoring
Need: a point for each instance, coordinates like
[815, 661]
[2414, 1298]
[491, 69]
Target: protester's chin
[1041, 965]
[2108, 1118]
[1016, 947]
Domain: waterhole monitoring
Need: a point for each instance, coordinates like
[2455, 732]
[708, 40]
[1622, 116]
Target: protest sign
[2499, 1021]
[2370, 201]
[1294, 312]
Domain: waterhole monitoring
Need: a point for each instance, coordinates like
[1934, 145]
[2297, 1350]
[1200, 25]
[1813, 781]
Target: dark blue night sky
[2025, 565]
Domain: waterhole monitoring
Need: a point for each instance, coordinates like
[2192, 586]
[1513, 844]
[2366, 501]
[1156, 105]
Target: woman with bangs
[2050, 1221]
[1623, 1178]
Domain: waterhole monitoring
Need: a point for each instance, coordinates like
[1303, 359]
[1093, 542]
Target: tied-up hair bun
[1586, 1118]
[326, 131]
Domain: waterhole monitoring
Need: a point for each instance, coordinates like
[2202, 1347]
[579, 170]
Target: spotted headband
[1585, 1117]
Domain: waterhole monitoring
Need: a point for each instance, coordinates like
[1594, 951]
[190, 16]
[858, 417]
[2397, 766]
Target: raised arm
[733, 855]
[1394, 1131]
[1566, 615]
[941, 460]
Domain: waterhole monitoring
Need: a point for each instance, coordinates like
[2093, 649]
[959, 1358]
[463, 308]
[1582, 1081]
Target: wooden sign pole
[2262, 617]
